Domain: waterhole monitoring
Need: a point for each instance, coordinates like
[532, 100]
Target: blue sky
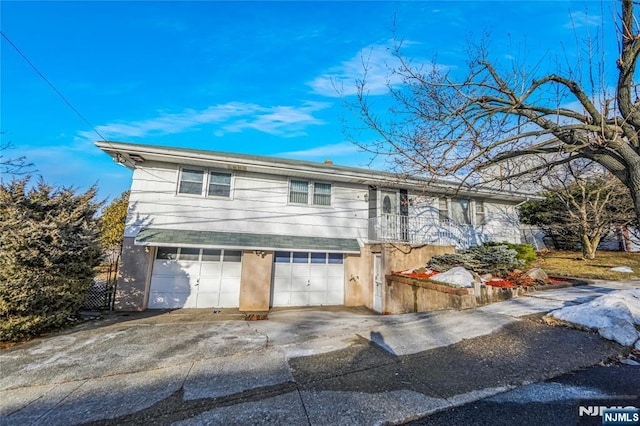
[247, 77]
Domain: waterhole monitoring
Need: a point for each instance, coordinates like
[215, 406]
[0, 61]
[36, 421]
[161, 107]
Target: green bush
[495, 260]
[50, 246]
[526, 253]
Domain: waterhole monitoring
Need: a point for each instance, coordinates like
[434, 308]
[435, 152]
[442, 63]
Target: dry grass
[571, 264]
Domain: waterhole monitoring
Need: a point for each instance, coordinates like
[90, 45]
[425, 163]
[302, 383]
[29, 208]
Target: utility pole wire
[52, 86]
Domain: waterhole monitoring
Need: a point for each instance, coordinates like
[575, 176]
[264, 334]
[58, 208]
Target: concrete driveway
[302, 366]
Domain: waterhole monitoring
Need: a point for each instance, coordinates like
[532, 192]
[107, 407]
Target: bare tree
[12, 166]
[582, 204]
[440, 125]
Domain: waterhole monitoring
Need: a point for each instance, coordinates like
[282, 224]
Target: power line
[52, 86]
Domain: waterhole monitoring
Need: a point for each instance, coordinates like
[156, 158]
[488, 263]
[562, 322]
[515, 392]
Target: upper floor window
[303, 192]
[219, 184]
[192, 181]
[456, 210]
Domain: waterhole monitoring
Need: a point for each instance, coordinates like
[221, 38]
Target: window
[189, 254]
[335, 258]
[219, 184]
[461, 211]
[300, 257]
[191, 182]
[318, 257]
[320, 193]
[443, 209]
[299, 192]
[209, 255]
[480, 213]
[193, 254]
[283, 257]
[167, 253]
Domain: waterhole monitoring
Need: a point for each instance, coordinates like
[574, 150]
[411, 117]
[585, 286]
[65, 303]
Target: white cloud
[342, 80]
[284, 121]
[231, 117]
[326, 151]
[582, 19]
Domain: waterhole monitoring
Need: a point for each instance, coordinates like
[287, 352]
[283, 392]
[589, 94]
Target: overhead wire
[66, 101]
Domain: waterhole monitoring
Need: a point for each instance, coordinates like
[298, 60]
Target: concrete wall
[255, 284]
[404, 295]
[134, 277]
[358, 279]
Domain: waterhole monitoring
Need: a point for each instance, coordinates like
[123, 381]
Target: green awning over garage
[246, 241]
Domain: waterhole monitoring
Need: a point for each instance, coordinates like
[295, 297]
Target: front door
[377, 283]
[389, 217]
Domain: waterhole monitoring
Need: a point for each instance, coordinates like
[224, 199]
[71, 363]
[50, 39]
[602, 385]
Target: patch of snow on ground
[613, 315]
[622, 269]
[455, 276]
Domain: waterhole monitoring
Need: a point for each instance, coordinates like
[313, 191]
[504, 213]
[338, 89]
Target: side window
[322, 194]
[219, 184]
[443, 209]
[299, 192]
[167, 253]
[191, 182]
[480, 213]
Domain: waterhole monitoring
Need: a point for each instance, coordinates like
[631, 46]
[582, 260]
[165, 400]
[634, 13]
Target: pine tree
[49, 239]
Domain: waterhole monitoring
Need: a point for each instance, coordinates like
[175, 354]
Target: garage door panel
[171, 300]
[299, 298]
[232, 270]
[208, 299]
[300, 272]
[335, 297]
[171, 284]
[229, 300]
[317, 298]
[282, 270]
[335, 270]
[211, 270]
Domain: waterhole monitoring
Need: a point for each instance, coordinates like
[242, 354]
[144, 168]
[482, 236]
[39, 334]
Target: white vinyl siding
[259, 203]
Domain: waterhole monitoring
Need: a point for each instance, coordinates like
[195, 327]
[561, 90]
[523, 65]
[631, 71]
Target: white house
[212, 229]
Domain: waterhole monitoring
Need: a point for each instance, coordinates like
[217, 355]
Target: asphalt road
[553, 402]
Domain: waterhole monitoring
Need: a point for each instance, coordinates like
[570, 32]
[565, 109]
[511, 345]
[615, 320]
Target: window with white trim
[194, 181]
[481, 218]
[191, 181]
[305, 192]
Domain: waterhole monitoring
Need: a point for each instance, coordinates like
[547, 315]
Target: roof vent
[328, 161]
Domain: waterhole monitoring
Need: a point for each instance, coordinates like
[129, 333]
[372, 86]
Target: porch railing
[420, 230]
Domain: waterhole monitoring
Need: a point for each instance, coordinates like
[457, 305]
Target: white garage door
[307, 279]
[195, 278]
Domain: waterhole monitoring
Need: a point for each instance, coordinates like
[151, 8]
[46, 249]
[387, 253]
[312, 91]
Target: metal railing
[420, 230]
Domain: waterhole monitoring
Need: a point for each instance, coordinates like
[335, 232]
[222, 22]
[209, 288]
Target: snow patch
[457, 276]
[614, 316]
[622, 269]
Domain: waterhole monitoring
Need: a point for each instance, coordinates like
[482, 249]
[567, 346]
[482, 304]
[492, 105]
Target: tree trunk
[634, 186]
[590, 246]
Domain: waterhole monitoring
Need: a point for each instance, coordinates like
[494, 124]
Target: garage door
[195, 278]
[307, 279]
